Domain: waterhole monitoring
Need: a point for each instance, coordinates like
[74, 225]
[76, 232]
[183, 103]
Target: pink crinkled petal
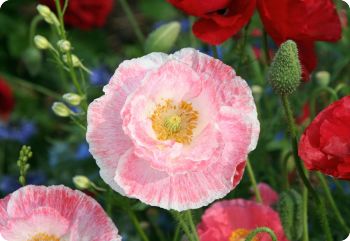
[105, 136]
[41, 220]
[191, 189]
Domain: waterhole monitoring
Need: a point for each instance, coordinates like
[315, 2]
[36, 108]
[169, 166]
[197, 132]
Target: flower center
[43, 237]
[174, 121]
[240, 235]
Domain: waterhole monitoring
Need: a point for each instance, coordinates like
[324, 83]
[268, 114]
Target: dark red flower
[199, 7]
[85, 14]
[7, 101]
[219, 20]
[304, 21]
[325, 144]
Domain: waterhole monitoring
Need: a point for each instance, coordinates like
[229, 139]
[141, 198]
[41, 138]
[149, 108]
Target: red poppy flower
[219, 20]
[7, 101]
[305, 22]
[325, 144]
[199, 7]
[85, 14]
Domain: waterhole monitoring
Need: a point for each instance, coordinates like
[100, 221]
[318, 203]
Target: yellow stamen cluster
[241, 235]
[174, 122]
[43, 237]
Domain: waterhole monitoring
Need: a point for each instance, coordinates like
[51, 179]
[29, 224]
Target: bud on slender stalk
[41, 42]
[72, 98]
[44, 11]
[75, 60]
[163, 38]
[285, 71]
[61, 109]
[64, 46]
[82, 182]
[323, 78]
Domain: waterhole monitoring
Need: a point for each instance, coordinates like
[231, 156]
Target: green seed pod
[285, 208]
[290, 207]
[163, 38]
[285, 71]
[297, 231]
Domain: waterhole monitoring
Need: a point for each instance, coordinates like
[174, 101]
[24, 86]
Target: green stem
[69, 54]
[32, 29]
[301, 169]
[32, 86]
[177, 233]
[183, 224]
[137, 224]
[253, 181]
[261, 230]
[332, 203]
[305, 216]
[132, 20]
[192, 225]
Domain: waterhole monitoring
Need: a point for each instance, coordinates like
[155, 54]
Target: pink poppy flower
[233, 220]
[268, 195]
[173, 130]
[38, 213]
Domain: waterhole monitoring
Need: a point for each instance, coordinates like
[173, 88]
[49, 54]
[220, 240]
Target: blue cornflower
[100, 76]
[82, 152]
[20, 132]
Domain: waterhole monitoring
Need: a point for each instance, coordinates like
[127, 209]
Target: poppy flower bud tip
[285, 71]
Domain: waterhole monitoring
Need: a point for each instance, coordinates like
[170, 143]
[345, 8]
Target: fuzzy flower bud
[285, 71]
[163, 38]
[64, 46]
[41, 42]
[72, 98]
[61, 109]
[82, 182]
[75, 60]
[323, 78]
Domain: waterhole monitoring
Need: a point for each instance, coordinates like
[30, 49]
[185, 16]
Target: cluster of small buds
[24, 155]
[84, 183]
[48, 15]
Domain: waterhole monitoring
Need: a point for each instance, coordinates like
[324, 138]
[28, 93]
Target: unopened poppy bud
[41, 42]
[61, 109]
[72, 98]
[64, 46]
[75, 60]
[163, 38]
[285, 71]
[82, 182]
[323, 78]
